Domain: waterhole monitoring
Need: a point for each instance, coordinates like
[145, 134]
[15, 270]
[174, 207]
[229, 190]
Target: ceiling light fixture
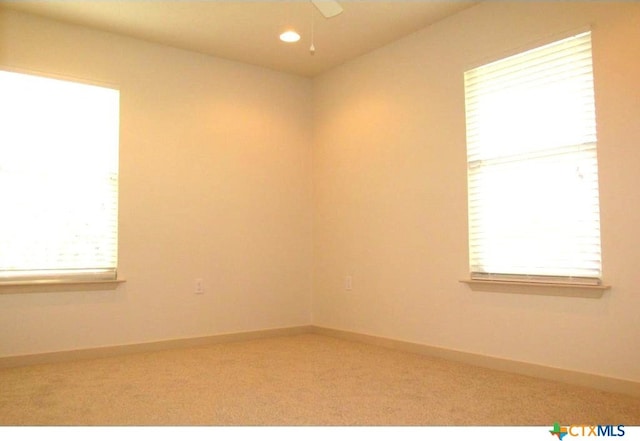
[290, 36]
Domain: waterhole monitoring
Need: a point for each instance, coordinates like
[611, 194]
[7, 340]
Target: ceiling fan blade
[328, 8]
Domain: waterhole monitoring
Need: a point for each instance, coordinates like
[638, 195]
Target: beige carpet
[300, 380]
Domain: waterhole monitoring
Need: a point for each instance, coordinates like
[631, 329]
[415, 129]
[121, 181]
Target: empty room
[421, 213]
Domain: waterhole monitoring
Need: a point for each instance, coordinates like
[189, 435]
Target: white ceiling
[247, 31]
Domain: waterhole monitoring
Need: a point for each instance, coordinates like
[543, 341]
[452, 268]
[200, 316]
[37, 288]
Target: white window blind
[58, 179]
[532, 166]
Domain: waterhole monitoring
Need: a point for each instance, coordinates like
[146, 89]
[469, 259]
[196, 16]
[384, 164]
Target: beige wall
[215, 183]
[217, 175]
[390, 194]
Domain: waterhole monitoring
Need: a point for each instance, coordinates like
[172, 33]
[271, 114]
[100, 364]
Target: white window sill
[58, 286]
[538, 288]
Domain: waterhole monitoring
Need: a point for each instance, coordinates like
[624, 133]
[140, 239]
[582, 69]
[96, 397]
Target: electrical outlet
[348, 283]
[199, 286]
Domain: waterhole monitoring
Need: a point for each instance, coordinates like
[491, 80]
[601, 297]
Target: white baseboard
[111, 351]
[594, 381]
[608, 384]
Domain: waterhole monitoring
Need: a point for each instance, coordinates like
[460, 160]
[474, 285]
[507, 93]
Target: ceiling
[247, 31]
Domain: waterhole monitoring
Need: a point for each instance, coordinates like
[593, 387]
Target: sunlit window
[532, 166]
[58, 179]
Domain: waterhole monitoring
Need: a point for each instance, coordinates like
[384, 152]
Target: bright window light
[58, 179]
[532, 166]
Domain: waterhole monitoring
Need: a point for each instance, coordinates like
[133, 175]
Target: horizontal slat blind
[58, 179]
[532, 165]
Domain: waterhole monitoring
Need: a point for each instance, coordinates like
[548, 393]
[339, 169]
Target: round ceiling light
[290, 36]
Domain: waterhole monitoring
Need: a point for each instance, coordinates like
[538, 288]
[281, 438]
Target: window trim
[38, 286]
[592, 287]
[537, 288]
[84, 279]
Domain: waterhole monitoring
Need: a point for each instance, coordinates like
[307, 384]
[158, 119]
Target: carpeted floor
[308, 380]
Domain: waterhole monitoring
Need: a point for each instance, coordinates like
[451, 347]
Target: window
[58, 180]
[532, 166]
